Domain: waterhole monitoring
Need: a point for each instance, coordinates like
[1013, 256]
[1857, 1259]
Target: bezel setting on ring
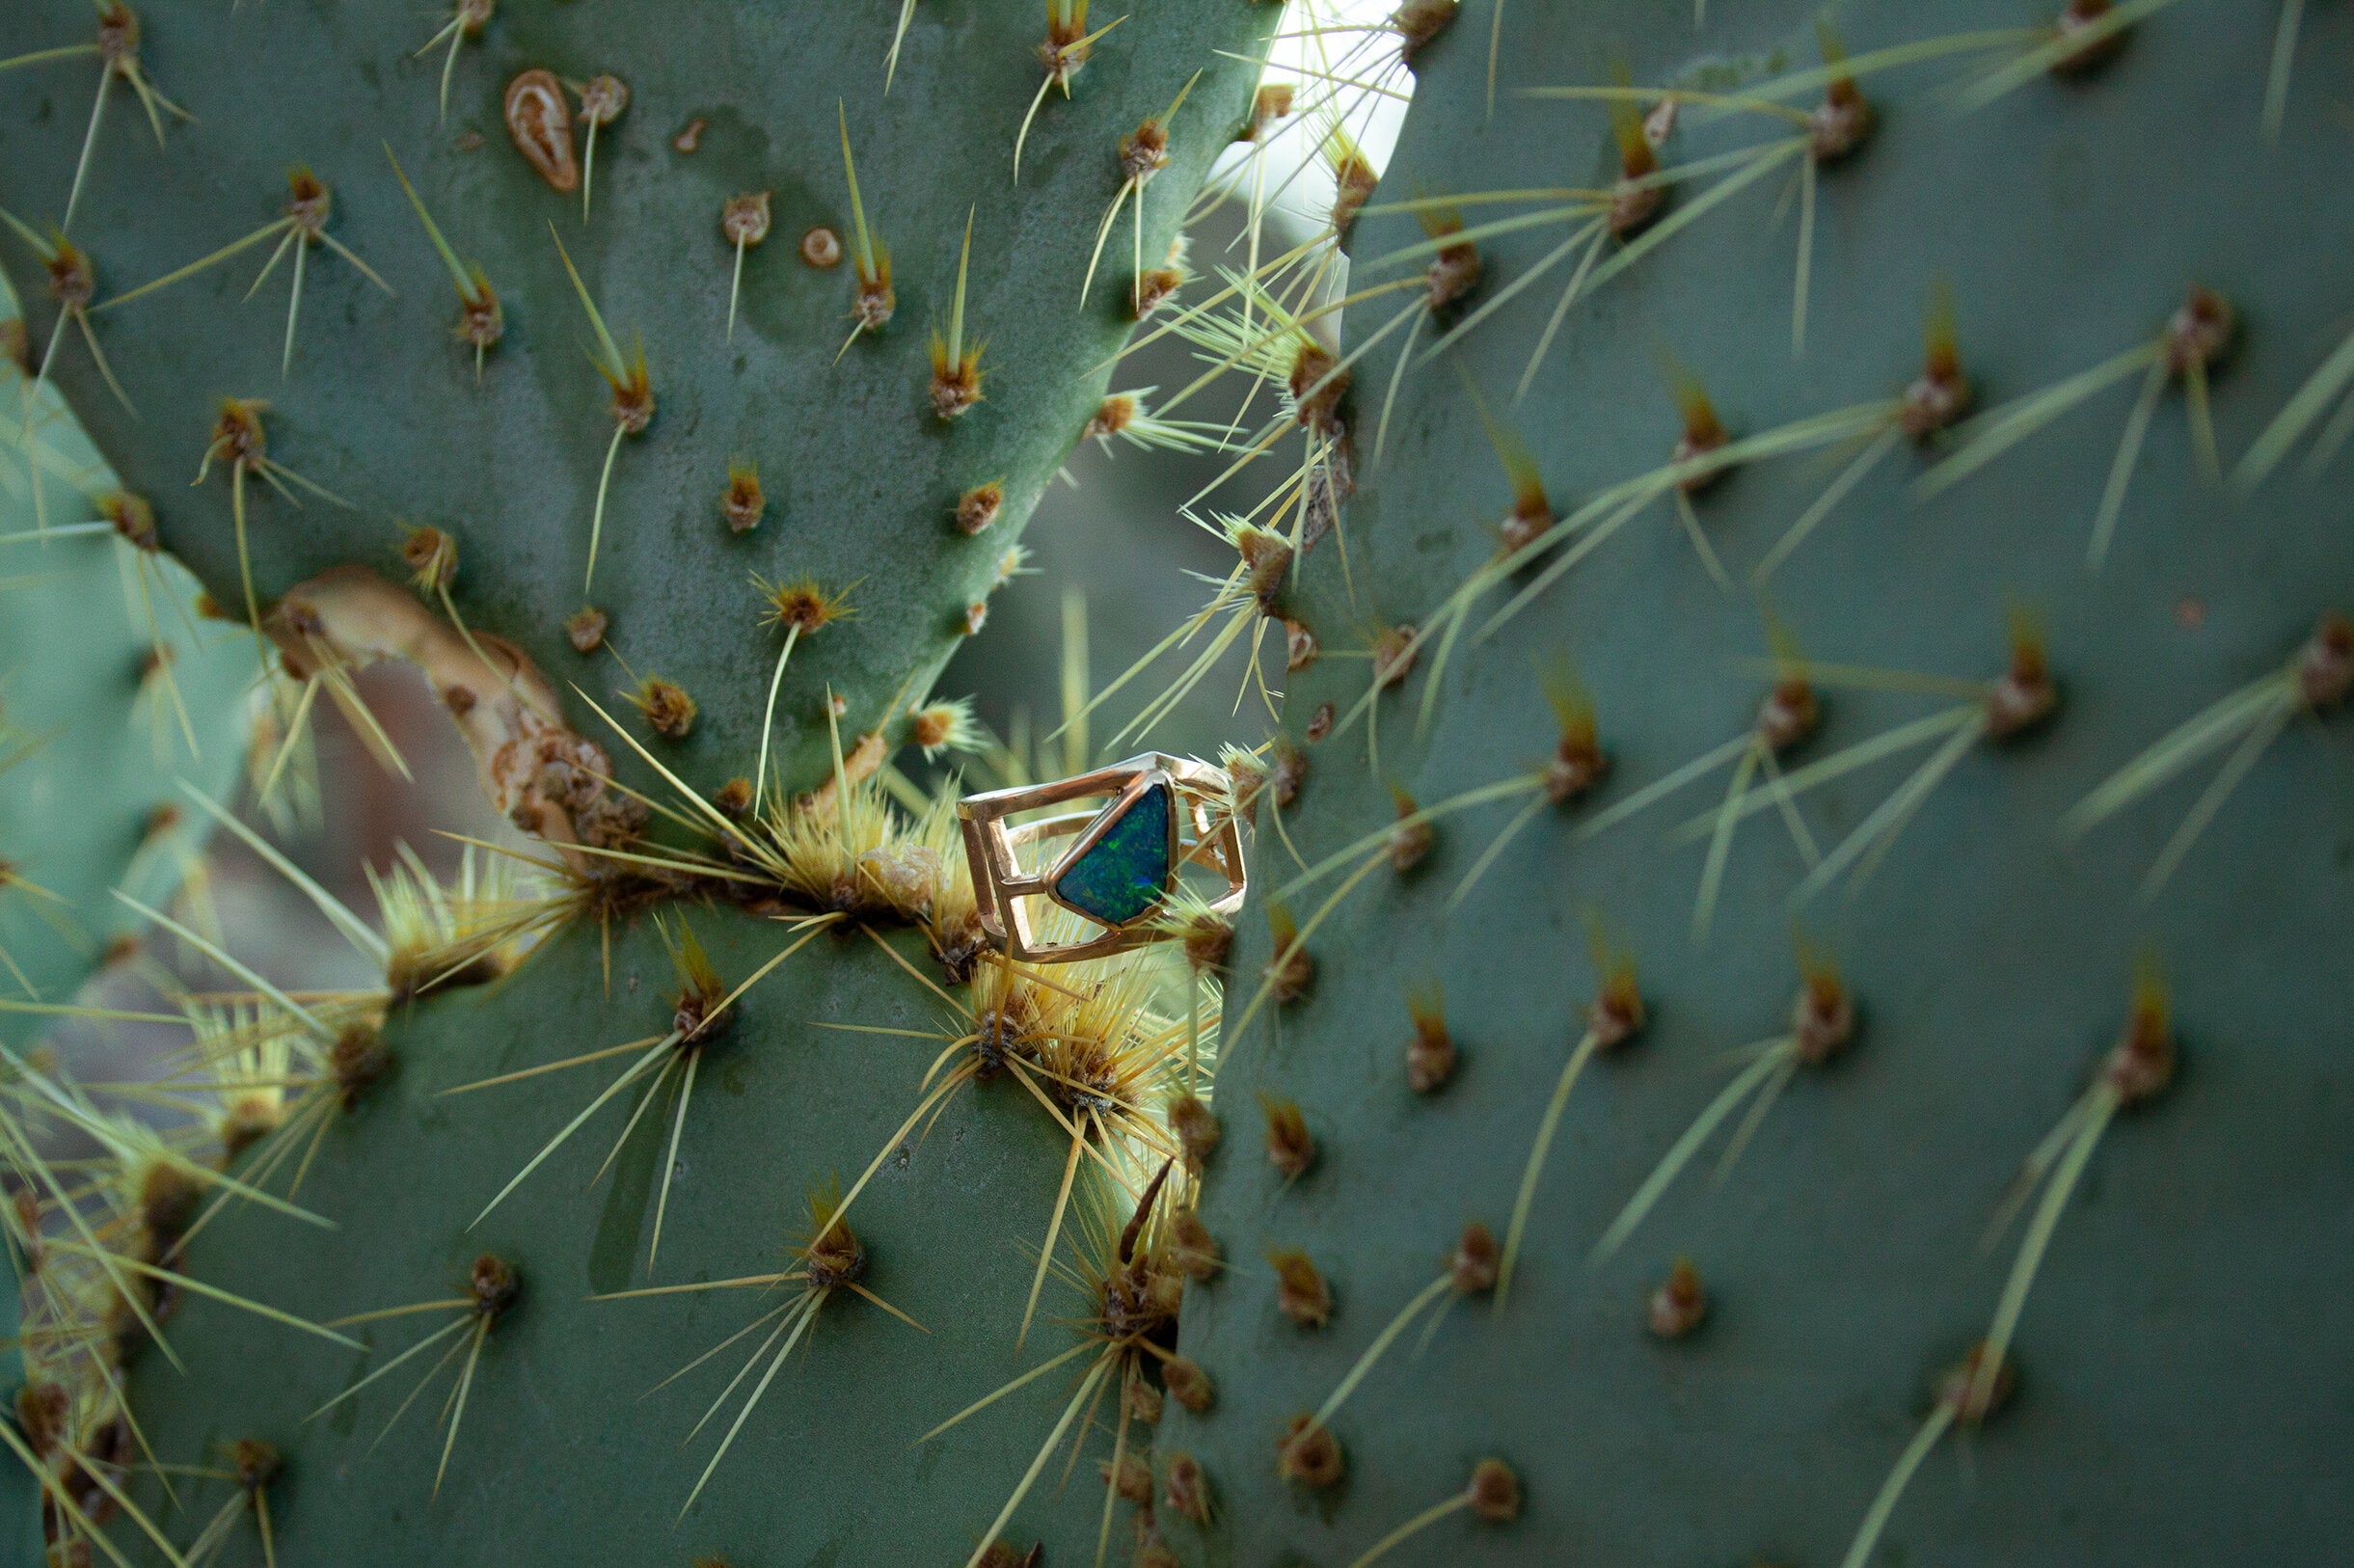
[1163, 812]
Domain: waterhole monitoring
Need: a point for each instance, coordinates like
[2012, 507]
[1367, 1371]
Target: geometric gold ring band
[1121, 863]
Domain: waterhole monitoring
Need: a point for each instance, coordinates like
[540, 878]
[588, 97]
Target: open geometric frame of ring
[1164, 813]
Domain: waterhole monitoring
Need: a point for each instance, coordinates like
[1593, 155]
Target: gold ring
[1161, 814]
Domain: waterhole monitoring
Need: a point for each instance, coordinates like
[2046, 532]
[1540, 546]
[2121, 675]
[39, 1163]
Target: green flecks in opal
[1123, 875]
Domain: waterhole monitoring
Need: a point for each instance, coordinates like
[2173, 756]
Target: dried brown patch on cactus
[350, 618]
[540, 123]
[821, 248]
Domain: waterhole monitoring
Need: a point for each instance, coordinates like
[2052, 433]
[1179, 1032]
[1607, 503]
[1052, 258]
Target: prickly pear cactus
[112, 689]
[699, 375]
[1858, 1075]
[646, 327]
[113, 694]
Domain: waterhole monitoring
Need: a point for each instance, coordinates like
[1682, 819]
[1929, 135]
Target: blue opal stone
[1124, 874]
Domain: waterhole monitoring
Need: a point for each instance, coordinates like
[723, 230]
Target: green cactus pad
[94, 741]
[381, 407]
[2171, 1395]
[564, 1436]
[654, 365]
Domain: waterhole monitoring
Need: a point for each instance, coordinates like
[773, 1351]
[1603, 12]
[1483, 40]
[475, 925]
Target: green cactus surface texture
[112, 689]
[1792, 1003]
[107, 680]
[694, 367]
[561, 1440]
[527, 417]
[1932, 869]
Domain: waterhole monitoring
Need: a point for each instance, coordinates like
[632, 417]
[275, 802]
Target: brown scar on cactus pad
[534, 769]
[540, 124]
